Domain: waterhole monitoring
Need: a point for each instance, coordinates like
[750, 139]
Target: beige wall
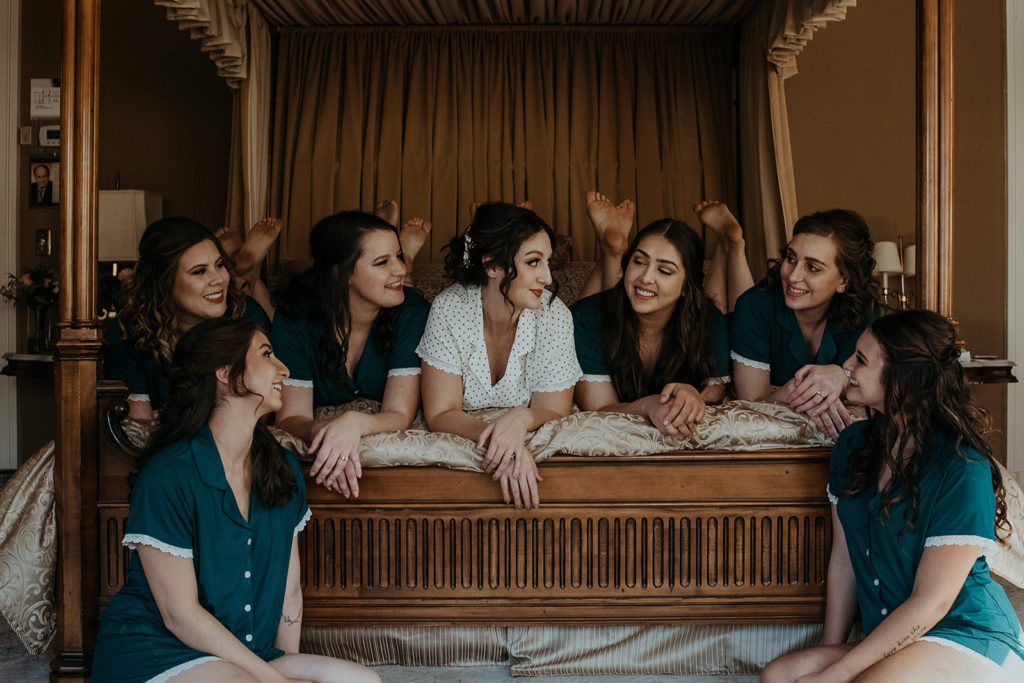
[852, 121]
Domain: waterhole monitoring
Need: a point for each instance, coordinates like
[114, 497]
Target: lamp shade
[887, 257]
[124, 215]
[910, 260]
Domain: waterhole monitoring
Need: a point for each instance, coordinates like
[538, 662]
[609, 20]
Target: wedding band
[820, 393]
[344, 458]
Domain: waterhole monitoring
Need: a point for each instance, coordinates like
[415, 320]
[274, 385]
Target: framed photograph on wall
[44, 182]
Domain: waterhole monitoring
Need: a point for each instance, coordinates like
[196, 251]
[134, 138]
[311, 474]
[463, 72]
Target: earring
[842, 288]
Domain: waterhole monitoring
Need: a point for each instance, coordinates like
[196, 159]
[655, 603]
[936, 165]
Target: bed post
[935, 155]
[78, 348]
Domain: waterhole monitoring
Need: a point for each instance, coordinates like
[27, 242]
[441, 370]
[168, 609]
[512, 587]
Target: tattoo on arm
[291, 621]
[905, 640]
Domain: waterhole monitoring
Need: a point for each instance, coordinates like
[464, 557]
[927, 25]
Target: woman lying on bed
[794, 330]
[654, 345]
[347, 329]
[917, 504]
[182, 277]
[499, 338]
[212, 590]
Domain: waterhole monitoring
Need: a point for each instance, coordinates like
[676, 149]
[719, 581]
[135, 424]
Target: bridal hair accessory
[468, 243]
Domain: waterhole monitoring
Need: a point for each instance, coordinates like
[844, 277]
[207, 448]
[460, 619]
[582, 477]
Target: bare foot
[717, 216]
[257, 243]
[229, 240]
[612, 222]
[388, 210]
[525, 204]
[412, 236]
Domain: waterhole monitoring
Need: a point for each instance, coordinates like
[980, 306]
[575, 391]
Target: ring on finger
[821, 393]
[344, 458]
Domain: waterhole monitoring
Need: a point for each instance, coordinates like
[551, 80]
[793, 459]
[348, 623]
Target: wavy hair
[685, 354]
[149, 317]
[204, 349]
[925, 393]
[852, 309]
[321, 293]
[493, 239]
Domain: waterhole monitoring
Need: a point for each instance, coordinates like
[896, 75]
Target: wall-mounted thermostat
[49, 136]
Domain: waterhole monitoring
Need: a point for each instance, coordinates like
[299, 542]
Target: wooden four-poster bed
[699, 536]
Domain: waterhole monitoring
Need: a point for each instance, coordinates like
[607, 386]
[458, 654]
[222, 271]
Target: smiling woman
[347, 329]
[182, 277]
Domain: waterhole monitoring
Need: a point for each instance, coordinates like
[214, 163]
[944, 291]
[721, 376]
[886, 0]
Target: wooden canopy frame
[79, 338]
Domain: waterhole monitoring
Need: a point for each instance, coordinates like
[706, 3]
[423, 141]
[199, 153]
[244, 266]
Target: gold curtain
[437, 118]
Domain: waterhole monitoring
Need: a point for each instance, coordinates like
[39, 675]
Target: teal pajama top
[296, 343]
[182, 505]
[765, 335]
[143, 374]
[588, 323]
[956, 507]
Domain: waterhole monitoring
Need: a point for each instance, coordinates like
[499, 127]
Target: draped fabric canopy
[673, 148]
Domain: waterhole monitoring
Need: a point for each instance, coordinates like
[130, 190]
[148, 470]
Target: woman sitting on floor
[654, 345]
[182, 277]
[212, 590]
[791, 333]
[917, 504]
[348, 329]
[499, 338]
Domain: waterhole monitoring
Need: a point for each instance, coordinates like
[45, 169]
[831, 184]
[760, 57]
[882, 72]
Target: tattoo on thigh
[291, 621]
[905, 640]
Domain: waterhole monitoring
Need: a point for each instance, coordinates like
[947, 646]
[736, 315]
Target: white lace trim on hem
[302, 383]
[134, 540]
[302, 523]
[552, 388]
[596, 378]
[139, 398]
[443, 367]
[987, 545]
[174, 671]
[403, 372]
[747, 361]
[717, 381]
[832, 498]
[960, 648]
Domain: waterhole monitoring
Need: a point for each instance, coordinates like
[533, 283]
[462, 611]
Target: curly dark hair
[149, 319]
[207, 347]
[685, 354]
[925, 393]
[321, 293]
[494, 237]
[852, 309]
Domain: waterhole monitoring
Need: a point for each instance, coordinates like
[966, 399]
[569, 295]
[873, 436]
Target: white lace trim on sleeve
[301, 383]
[441, 365]
[403, 372]
[987, 545]
[134, 540]
[751, 363]
[596, 378]
[302, 523]
[559, 386]
[832, 498]
[139, 398]
[717, 381]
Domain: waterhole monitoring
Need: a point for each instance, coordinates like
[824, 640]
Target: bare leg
[323, 669]
[612, 223]
[927, 662]
[729, 275]
[412, 237]
[249, 259]
[388, 210]
[788, 668]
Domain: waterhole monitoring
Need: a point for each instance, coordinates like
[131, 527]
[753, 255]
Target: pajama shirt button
[884, 611]
[248, 637]
[248, 608]
[876, 582]
[248, 574]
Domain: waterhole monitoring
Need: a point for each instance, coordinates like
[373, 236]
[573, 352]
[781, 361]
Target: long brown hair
[208, 346]
[149, 318]
[925, 393]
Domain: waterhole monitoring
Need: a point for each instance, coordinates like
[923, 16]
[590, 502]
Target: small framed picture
[44, 182]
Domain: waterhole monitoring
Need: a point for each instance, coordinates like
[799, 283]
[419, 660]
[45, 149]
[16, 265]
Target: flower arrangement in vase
[37, 289]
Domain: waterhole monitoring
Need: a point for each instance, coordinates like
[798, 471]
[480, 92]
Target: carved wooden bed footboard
[700, 536]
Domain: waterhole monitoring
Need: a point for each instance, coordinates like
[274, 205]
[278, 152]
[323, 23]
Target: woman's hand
[505, 440]
[833, 420]
[521, 481]
[815, 387]
[679, 409]
[336, 446]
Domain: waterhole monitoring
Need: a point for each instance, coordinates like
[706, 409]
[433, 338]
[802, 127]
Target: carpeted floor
[19, 667]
